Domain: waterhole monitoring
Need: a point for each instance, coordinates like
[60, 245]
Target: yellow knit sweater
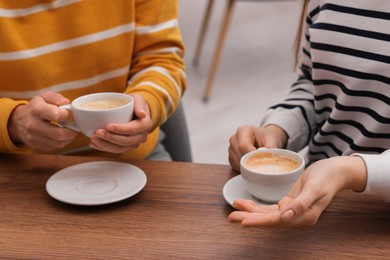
[76, 47]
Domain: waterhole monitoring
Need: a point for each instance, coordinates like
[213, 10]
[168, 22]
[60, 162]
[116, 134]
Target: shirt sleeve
[157, 70]
[378, 178]
[6, 107]
[296, 114]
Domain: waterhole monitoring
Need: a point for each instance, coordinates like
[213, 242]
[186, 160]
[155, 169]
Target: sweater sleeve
[296, 113]
[6, 107]
[378, 177]
[157, 69]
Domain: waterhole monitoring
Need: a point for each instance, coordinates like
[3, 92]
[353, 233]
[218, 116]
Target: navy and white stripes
[341, 101]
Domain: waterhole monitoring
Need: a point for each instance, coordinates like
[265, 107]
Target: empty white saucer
[96, 183]
[235, 189]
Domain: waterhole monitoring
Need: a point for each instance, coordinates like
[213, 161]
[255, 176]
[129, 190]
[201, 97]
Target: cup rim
[75, 103]
[264, 149]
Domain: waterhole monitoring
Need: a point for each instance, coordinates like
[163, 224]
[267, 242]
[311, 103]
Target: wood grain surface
[180, 214]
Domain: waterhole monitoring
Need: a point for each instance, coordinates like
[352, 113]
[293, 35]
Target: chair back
[177, 141]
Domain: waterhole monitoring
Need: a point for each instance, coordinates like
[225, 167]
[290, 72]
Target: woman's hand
[309, 196]
[32, 124]
[120, 138]
[249, 138]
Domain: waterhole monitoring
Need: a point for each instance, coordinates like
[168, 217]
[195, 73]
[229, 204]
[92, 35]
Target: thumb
[54, 98]
[298, 206]
[140, 106]
[288, 216]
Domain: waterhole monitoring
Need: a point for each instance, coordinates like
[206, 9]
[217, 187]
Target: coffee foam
[271, 163]
[103, 104]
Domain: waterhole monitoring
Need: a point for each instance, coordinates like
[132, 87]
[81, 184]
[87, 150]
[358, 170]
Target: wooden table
[180, 214]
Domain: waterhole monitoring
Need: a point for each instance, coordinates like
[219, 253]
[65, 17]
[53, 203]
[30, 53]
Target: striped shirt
[76, 47]
[340, 103]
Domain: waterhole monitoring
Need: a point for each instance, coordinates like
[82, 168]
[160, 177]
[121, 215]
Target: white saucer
[235, 189]
[96, 183]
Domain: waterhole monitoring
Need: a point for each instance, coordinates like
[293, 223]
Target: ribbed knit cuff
[378, 169]
[7, 106]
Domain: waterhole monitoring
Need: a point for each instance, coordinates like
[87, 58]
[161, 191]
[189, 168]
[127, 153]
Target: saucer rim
[138, 174]
[234, 182]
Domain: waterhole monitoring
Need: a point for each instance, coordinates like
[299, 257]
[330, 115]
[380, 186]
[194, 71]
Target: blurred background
[256, 69]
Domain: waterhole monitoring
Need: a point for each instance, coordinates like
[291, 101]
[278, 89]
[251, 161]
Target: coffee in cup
[271, 163]
[103, 104]
[95, 111]
[269, 174]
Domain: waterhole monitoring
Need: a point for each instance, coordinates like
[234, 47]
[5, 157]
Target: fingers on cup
[95, 111]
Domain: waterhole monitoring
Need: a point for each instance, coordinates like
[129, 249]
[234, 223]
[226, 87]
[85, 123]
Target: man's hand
[120, 138]
[32, 124]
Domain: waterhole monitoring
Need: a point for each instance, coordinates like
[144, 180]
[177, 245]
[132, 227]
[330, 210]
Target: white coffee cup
[95, 111]
[269, 174]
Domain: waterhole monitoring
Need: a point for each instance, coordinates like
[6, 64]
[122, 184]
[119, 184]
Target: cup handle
[70, 125]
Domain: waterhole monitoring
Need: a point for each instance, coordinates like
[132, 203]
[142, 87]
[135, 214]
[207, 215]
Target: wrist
[353, 172]
[279, 133]
[11, 126]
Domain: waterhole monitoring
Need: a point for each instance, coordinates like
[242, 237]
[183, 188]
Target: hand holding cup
[95, 111]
